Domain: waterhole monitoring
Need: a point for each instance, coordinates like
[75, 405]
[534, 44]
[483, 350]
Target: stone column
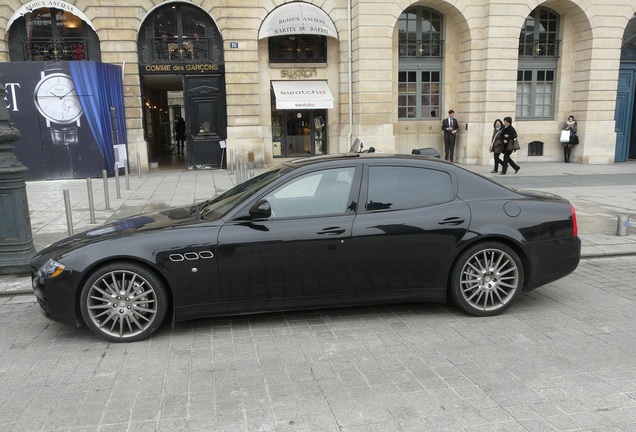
[16, 240]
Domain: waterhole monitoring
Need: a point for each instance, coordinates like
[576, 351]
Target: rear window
[394, 188]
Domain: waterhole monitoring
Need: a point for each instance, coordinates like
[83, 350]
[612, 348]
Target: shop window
[298, 49]
[538, 57]
[420, 48]
[298, 132]
[49, 34]
[180, 33]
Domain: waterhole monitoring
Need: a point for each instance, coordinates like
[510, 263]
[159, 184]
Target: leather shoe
[494, 171]
[517, 170]
[502, 173]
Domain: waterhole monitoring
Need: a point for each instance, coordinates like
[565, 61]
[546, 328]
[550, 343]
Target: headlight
[51, 269]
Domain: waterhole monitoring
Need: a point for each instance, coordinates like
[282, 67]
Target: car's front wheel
[486, 279]
[123, 302]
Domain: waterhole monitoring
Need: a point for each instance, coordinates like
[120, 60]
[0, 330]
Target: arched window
[420, 48]
[538, 56]
[50, 34]
[180, 33]
[628, 48]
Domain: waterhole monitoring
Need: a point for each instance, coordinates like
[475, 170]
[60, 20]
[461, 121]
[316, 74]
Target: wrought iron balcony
[433, 48]
[55, 49]
[539, 49]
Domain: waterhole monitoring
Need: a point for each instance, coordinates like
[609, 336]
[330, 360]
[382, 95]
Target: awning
[302, 95]
[297, 18]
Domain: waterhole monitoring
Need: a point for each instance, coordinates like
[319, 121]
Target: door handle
[331, 231]
[451, 221]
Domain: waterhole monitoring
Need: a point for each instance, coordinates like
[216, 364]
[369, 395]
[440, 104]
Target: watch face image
[56, 99]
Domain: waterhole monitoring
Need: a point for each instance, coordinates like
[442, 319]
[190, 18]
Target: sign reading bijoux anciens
[57, 4]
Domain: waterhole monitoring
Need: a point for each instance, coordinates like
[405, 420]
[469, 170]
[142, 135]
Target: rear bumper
[552, 260]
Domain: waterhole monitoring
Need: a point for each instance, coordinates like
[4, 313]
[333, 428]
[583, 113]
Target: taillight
[575, 226]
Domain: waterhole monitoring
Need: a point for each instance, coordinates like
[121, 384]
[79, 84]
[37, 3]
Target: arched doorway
[50, 34]
[181, 67]
[625, 115]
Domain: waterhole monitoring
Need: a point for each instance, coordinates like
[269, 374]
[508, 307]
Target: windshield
[221, 204]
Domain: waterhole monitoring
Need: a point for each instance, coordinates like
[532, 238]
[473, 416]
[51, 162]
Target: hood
[167, 219]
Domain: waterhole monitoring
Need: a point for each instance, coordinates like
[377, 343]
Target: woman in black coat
[567, 147]
[509, 135]
[496, 144]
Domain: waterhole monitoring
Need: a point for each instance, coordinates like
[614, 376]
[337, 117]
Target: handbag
[565, 136]
[514, 145]
[574, 139]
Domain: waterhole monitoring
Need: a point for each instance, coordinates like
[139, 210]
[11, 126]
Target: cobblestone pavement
[562, 359]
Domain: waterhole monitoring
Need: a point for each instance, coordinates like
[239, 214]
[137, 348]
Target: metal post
[106, 200]
[91, 205]
[138, 165]
[622, 224]
[69, 215]
[126, 174]
[117, 188]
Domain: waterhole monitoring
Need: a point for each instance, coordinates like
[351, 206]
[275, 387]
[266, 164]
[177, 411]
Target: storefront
[299, 114]
[275, 80]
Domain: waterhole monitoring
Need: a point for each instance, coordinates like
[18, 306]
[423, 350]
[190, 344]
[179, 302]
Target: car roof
[360, 156]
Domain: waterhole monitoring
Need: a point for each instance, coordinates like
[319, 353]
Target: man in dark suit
[450, 126]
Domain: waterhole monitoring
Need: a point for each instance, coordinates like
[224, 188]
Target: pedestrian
[180, 134]
[450, 126]
[509, 135]
[496, 144]
[573, 138]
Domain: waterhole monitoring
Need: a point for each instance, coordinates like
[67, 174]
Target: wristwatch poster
[56, 99]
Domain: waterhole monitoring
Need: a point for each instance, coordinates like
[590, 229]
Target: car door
[408, 225]
[297, 256]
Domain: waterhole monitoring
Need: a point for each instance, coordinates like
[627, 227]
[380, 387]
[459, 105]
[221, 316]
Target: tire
[486, 279]
[123, 302]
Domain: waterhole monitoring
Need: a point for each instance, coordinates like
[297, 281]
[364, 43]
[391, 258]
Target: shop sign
[181, 68]
[299, 73]
[29, 7]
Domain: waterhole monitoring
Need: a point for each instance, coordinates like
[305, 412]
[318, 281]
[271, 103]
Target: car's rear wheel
[123, 302]
[486, 279]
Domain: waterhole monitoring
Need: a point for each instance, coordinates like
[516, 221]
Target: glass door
[299, 132]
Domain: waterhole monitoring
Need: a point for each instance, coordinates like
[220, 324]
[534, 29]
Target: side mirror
[262, 209]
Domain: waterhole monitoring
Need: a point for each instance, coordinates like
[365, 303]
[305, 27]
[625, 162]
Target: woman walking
[496, 144]
[509, 135]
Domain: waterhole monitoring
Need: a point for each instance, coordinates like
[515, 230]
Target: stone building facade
[393, 68]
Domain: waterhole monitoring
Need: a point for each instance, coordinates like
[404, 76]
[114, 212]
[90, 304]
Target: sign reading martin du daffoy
[297, 18]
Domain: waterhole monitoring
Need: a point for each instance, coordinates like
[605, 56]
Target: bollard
[91, 205]
[126, 175]
[622, 224]
[117, 188]
[106, 200]
[69, 215]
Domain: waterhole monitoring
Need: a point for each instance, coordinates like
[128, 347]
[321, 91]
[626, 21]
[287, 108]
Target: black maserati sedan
[327, 231]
